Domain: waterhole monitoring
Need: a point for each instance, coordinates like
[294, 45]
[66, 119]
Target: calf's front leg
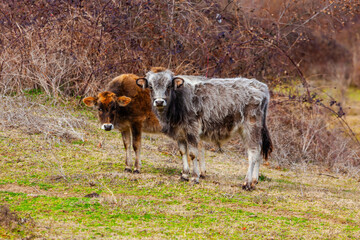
[126, 136]
[136, 136]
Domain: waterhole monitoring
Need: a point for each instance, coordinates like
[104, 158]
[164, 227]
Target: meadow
[67, 188]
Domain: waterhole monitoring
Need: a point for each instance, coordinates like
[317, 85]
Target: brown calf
[126, 107]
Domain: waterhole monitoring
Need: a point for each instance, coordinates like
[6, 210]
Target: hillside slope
[44, 182]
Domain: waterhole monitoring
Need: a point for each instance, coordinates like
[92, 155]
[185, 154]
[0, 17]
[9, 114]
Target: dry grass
[307, 203]
[33, 117]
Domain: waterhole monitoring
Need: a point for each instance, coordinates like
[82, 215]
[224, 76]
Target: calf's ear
[142, 82]
[123, 101]
[90, 101]
[178, 82]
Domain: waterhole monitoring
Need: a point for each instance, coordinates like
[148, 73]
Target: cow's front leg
[136, 135]
[126, 136]
[184, 155]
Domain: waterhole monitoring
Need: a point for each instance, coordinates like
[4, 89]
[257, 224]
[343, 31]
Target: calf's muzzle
[107, 126]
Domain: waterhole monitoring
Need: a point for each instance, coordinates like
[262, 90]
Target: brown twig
[343, 123]
[300, 73]
[328, 175]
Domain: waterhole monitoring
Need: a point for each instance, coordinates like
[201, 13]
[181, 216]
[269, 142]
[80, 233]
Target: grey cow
[191, 108]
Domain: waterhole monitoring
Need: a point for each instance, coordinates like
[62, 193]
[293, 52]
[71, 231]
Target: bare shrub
[11, 221]
[71, 47]
[304, 134]
[35, 118]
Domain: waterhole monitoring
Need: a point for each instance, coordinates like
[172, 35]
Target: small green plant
[33, 92]
[263, 178]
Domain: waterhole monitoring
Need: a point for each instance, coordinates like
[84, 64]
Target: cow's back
[124, 85]
[218, 98]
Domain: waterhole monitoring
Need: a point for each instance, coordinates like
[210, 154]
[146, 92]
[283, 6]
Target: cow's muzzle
[107, 126]
[159, 103]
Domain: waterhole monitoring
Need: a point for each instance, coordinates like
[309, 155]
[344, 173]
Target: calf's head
[107, 104]
[162, 84]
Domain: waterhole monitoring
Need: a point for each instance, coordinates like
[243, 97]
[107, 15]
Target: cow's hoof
[128, 170]
[247, 186]
[184, 178]
[136, 171]
[195, 180]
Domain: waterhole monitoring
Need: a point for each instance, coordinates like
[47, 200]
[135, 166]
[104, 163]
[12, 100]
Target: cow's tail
[266, 147]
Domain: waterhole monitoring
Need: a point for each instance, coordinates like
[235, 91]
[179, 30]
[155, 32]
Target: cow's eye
[150, 87]
[100, 109]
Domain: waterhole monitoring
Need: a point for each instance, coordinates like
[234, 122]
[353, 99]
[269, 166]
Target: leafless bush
[12, 222]
[71, 47]
[35, 118]
[303, 134]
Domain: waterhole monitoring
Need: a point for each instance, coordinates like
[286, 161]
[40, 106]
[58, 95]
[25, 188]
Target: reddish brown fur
[157, 69]
[132, 115]
[106, 97]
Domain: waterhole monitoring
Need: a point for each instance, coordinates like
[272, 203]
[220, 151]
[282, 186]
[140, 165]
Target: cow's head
[107, 104]
[161, 83]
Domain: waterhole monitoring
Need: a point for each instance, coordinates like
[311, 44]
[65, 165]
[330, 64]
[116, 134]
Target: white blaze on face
[159, 102]
[107, 126]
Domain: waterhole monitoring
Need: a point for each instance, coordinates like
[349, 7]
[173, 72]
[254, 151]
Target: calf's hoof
[247, 186]
[128, 170]
[202, 176]
[184, 178]
[136, 171]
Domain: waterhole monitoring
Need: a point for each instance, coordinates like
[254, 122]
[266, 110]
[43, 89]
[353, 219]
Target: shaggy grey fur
[193, 107]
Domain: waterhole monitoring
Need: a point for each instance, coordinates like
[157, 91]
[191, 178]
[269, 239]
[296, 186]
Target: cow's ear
[142, 82]
[178, 82]
[90, 101]
[123, 101]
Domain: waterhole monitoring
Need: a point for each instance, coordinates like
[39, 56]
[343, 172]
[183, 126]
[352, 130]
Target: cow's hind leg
[184, 154]
[202, 162]
[253, 169]
[126, 136]
[194, 153]
[252, 136]
[255, 177]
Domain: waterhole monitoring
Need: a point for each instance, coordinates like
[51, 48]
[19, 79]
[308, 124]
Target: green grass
[353, 94]
[47, 180]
